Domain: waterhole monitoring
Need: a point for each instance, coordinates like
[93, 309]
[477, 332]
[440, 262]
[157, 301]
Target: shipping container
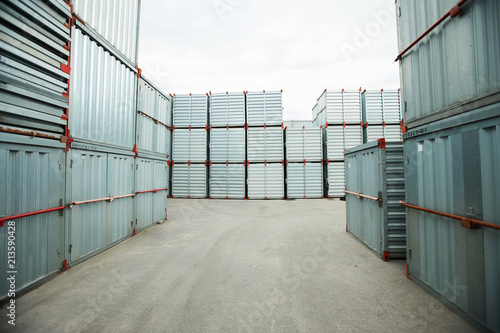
[334, 179]
[227, 181]
[103, 102]
[116, 21]
[264, 108]
[453, 69]
[151, 179]
[190, 111]
[336, 139]
[153, 119]
[374, 186]
[338, 108]
[265, 144]
[34, 67]
[32, 181]
[304, 180]
[227, 109]
[189, 181]
[100, 190]
[189, 145]
[452, 167]
[381, 107]
[227, 145]
[304, 144]
[298, 124]
[265, 181]
[375, 132]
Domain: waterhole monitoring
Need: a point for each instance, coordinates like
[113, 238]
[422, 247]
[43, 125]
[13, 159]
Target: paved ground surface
[237, 266]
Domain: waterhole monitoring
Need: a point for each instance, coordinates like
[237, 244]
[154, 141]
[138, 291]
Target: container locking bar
[466, 222]
[455, 11]
[359, 195]
[154, 119]
[110, 199]
[158, 190]
[14, 217]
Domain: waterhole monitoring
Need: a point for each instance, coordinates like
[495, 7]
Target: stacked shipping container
[452, 112]
[381, 115]
[189, 146]
[71, 177]
[265, 158]
[227, 146]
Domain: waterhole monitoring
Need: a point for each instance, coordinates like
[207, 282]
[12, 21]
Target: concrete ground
[237, 266]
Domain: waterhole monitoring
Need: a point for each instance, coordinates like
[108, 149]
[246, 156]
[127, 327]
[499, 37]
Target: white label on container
[420, 147]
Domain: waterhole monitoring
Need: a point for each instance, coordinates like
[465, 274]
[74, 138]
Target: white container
[303, 144]
[264, 144]
[304, 180]
[264, 108]
[227, 181]
[189, 145]
[265, 181]
[227, 145]
[227, 109]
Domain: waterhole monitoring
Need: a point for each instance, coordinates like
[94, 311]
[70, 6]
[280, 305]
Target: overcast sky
[302, 47]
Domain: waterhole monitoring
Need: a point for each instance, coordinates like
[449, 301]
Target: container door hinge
[379, 198]
[71, 164]
[409, 253]
[70, 247]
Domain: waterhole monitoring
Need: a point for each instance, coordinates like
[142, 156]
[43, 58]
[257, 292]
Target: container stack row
[348, 118]
[81, 168]
[452, 155]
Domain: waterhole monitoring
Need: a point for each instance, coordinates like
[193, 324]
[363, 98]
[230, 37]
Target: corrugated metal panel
[189, 181]
[335, 179]
[120, 212]
[456, 63]
[265, 144]
[265, 181]
[339, 138]
[304, 180]
[227, 181]
[452, 167]
[339, 107]
[189, 145]
[381, 107]
[227, 145]
[304, 144]
[389, 132]
[151, 207]
[32, 57]
[102, 101]
[190, 110]
[264, 108]
[227, 109]
[298, 124]
[87, 180]
[379, 173]
[33, 179]
[115, 20]
[151, 135]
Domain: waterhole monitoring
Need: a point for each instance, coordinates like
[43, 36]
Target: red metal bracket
[407, 273]
[65, 265]
[65, 68]
[403, 127]
[385, 255]
[381, 143]
[135, 151]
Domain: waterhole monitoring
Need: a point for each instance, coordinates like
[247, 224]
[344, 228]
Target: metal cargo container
[265, 144]
[374, 182]
[103, 100]
[153, 119]
[264, 108]
[34, 67]
[227, 181]
[298, 124]
[453, 69]
[227, 109]
[227, 145]
[265, 181]
[304, 180]
[117, 21]
[189, 181]
[151, 191]
[303, 144]
[335, 180]
[189, 145]
[190, 110]
[339, 107]
[32, 180]
[100, 190]
[452, 168]
[381, 107]
[375, 132]
[336, 139]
